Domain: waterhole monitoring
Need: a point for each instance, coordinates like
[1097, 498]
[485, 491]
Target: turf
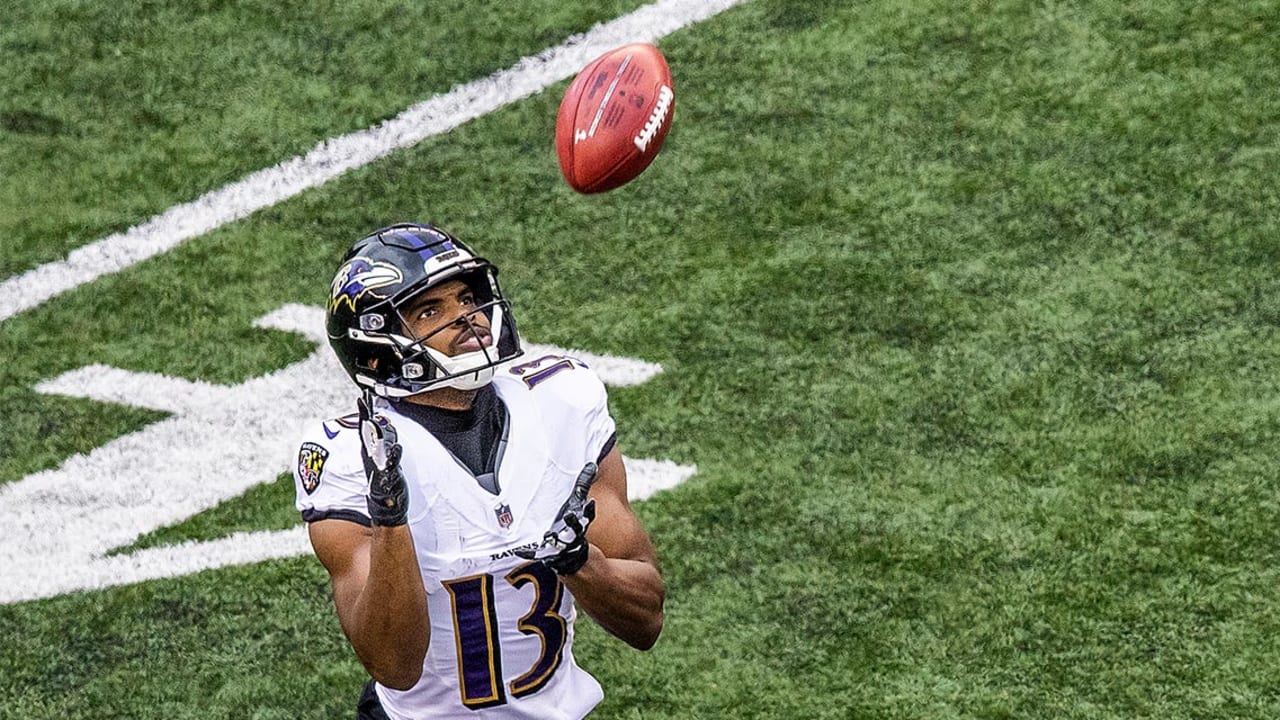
[113, 112]
[968, 316]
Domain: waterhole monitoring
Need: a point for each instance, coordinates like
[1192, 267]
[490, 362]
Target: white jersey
[501, 627]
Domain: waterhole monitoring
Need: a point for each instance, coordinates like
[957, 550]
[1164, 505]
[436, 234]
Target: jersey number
[535, 371]
[475, 630]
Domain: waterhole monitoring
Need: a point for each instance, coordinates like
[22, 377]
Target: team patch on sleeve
[310, 464]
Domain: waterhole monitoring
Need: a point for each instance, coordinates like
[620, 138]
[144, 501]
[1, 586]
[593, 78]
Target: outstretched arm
[377, 586]
[378, 592]
[619, 586]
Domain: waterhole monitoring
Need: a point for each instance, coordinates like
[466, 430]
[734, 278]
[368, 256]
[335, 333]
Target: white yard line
[335, 156]
[59, 526]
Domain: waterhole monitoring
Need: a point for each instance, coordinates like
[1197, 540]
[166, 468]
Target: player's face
[440, 314]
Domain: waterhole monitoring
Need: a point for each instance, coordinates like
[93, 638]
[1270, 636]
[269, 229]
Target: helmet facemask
[469, 370]
[382, 280]
[424, 368]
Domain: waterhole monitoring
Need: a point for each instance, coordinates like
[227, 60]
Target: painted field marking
[57, 526]
[335, 156]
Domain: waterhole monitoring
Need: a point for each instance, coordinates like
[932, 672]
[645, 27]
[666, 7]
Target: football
[614, 118]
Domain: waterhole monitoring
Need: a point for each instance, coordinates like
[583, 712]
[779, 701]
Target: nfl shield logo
[505, 518]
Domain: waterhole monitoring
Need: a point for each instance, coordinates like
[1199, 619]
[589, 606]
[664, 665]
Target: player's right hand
[388, 496]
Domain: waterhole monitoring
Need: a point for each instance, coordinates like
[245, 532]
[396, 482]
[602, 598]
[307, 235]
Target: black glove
[564, 547]
[388, 497]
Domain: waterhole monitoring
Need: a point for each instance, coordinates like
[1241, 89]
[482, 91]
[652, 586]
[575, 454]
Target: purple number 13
[475, 625]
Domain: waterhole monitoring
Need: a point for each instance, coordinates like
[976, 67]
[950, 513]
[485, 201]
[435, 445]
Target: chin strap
[472, 380]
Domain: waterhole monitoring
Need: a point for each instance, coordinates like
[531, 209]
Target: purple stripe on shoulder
[608, 445]
[312, 515]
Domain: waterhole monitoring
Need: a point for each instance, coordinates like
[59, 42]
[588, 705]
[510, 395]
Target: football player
[475, 496]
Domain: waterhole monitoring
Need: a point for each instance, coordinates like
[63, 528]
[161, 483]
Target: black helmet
[378, 275]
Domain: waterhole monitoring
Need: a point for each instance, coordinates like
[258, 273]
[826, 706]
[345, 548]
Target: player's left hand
[564, 547]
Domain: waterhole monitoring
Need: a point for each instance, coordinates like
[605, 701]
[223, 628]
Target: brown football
[614, 118]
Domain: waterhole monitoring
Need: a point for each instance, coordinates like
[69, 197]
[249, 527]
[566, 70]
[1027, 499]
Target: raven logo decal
[358, 277]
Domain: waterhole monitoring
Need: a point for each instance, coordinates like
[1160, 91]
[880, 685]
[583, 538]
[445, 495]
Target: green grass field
[968, 312]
